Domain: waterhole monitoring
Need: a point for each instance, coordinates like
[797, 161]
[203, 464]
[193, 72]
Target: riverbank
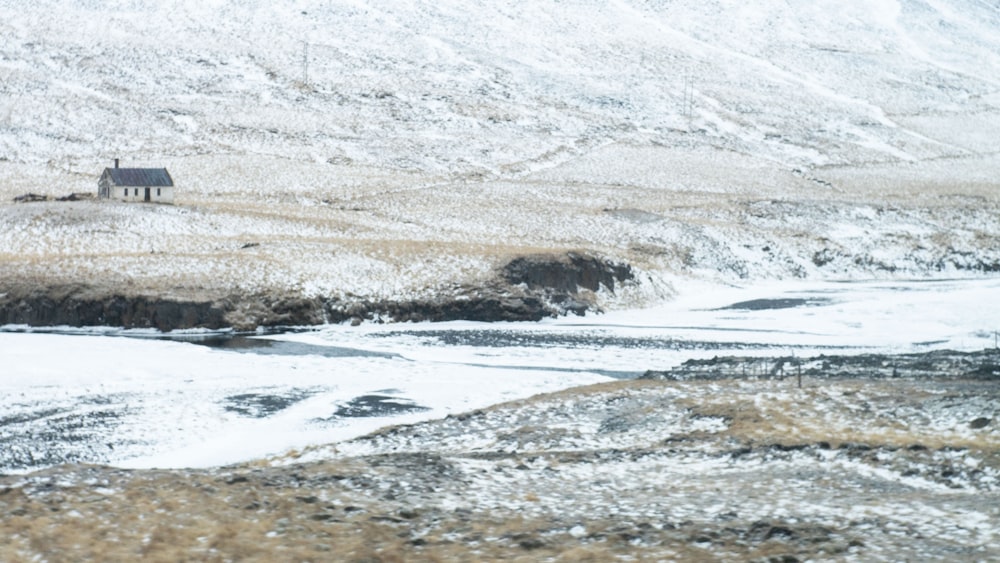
[203, 398]
[727, 469]
[528, 288]
[461, 441]
[422, 248]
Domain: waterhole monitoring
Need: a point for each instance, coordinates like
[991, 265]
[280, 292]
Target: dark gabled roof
[140, 177]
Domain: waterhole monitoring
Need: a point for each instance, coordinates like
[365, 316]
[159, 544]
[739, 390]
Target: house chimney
[116, 163]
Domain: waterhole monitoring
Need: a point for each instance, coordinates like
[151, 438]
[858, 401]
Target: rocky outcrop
[525, 289]
[76, 196]
[565, 274]
[34, 198]
[273, 310]
[980, 365]
[30, 198]
[528, 288]
[487, 305]
[80, 306]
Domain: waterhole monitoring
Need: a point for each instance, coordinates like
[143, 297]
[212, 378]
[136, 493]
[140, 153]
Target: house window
[157, 192]
[137, 192]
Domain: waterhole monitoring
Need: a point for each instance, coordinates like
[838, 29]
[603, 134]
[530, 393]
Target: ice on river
[137, 399]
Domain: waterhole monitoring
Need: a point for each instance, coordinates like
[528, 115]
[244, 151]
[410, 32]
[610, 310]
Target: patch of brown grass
[261, 513]
[826, 411]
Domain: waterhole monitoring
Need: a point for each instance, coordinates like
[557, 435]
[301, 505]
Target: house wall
[138, 194]
[166, 195]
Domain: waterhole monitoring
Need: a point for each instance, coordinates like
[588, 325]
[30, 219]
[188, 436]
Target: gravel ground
[735, 469]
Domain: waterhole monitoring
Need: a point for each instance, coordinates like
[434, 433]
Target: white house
[136, 184]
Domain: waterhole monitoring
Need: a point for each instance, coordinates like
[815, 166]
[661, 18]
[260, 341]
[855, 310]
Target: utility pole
[688, 103]
[798, 369]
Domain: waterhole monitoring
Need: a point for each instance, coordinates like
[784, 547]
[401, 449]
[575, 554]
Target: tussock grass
[321, 231]
[842, 412]
[356, 508]
[212, 526]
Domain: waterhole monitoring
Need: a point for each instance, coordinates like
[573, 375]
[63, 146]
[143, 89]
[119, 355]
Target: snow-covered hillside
[472, 86]
[390, 149]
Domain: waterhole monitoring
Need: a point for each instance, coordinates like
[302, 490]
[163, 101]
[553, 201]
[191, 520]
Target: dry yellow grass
[423, 506]
[311, 233]
[790, 416]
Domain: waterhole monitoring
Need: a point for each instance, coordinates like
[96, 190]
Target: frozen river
[140, 399]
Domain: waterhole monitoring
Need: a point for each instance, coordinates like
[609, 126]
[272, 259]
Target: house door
[147, 195]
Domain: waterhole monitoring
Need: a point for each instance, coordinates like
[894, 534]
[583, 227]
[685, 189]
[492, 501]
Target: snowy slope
[465, 86]
[390, 149]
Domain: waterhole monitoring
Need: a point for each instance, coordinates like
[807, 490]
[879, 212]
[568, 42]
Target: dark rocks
[528, 288]
[823, 257]
[247, 312]
[565, 274]
[782, 532]
[980, 365]
[79, 306]
[789, 447]
[323, 517]
[30, 198]
[408, 514]
[528, 542]
[484, 306]
[981, 422]
[76, 196]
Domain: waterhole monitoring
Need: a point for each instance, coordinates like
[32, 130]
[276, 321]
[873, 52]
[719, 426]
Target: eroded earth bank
[527, 288]
[76, 263]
